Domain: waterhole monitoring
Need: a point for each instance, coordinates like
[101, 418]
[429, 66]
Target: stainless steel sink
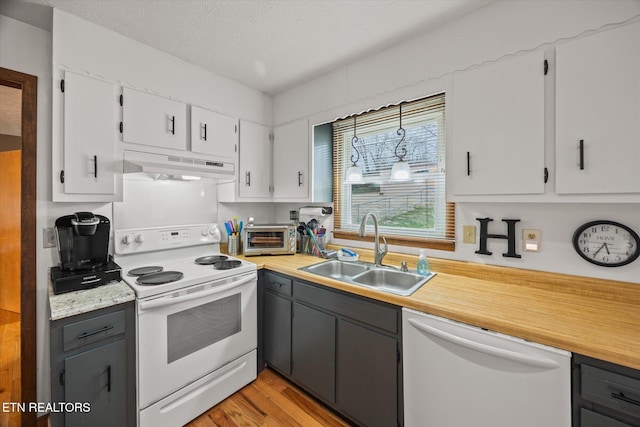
[385, 279]
[337, 269]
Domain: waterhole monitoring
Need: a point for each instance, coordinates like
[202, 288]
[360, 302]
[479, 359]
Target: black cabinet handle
[247, 179]
[299, 179]
[95, 167]
[173, 125]
[109, 378]
[468, 163]
[61, 377]
[97, 331]
[205, 132]
[621, 396]
[582, 154]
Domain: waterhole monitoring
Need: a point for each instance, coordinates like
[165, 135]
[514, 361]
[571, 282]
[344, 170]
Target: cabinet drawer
[593, 419]
[612, 390]
[91, 330]
[377, 315]
[278, 284]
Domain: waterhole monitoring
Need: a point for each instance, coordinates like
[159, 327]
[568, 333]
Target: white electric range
[196, 319]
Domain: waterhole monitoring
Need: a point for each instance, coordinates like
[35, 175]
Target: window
[412, 213]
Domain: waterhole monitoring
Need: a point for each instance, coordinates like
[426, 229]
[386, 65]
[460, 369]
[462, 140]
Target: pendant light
[400, 170]
[353, 175]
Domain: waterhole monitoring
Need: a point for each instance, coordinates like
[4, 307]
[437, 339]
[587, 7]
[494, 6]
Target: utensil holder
[234, 245]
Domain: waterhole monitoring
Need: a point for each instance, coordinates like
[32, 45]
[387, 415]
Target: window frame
[447, 243]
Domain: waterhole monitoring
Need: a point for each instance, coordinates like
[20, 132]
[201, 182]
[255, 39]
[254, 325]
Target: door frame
[28, 367]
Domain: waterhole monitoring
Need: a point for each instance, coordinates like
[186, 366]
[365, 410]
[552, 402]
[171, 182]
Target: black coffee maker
[83, 250]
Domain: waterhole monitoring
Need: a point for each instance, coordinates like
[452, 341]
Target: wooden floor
[9, 365]
[269, 401]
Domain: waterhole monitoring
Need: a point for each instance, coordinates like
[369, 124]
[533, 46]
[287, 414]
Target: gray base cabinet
[343, 349]
[314, 350]
[604, 394]
[93, 367]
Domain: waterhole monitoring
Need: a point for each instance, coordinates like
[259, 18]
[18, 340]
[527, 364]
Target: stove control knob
[139, 238]
[127, 239]
[204, 232]
[215, 232]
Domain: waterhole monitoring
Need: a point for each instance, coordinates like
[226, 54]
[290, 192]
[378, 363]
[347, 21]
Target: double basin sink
[385, 279]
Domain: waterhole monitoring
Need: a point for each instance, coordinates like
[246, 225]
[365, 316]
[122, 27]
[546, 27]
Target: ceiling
[270, 45]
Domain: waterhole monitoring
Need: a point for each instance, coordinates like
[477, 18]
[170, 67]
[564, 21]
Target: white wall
[86, 48]
[27, 49]
[425, 65]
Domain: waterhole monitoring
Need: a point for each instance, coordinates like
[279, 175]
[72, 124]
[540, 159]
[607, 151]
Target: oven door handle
[170, 300]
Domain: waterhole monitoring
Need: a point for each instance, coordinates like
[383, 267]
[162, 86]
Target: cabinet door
[277, 332]
[213, 133]
[314, 350]
[598, 113]
[291, 177]
[254, 180]
[90, 138]
[153, 120]
[367, 375]
[98, 377]
[498, 128]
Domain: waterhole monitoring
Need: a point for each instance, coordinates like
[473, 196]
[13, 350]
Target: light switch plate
[469, 234]
[48, 238]
[531, 240]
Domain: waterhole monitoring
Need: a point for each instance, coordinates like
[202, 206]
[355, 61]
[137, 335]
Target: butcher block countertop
[594, 317]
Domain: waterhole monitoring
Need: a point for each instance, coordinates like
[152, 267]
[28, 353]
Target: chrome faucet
[379, 253]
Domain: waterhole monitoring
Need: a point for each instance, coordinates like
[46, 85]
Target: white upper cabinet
[214, 134]
[598, 113]
[254, 180]
[291, 177]
[153, 121]
[89, 141]
[498, 128]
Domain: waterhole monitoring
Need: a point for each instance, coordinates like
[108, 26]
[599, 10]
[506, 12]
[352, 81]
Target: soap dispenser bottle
[423, 264]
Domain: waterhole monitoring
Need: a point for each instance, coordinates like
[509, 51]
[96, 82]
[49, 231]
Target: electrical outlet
[531, 240]
[48, 238]
[469, 234]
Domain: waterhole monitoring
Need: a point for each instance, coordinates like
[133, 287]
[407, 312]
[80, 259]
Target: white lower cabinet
[85, 136]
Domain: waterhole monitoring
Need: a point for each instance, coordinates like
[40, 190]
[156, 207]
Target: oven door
[266, 241]
[189, 333]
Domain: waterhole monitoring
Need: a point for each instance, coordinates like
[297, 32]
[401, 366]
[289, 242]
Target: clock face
[606, 243]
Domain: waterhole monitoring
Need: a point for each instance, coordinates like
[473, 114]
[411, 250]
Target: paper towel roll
[315, 211]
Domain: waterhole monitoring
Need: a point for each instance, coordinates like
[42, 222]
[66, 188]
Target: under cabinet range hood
[164, 166]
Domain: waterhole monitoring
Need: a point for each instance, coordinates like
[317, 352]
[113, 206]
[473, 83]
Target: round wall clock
[606, 243]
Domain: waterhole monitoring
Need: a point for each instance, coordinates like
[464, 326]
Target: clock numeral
[594, 229]
[586, 235]
[605, 228]
[605, 259]
[585, 249]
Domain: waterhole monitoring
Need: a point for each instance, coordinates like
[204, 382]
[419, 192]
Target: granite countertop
[78, 302]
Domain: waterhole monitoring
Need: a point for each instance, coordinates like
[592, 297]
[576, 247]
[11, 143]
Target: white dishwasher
[456, 375]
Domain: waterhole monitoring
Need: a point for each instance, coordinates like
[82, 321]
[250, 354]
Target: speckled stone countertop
[78, 302]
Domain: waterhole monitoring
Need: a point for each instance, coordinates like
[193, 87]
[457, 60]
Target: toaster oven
[269, 239]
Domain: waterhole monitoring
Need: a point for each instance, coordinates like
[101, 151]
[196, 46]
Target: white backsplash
[149, 203]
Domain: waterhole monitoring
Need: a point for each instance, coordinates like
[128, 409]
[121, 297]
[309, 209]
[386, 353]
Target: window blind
[414, 212]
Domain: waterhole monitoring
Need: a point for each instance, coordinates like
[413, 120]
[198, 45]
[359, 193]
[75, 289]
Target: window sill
[415, 242]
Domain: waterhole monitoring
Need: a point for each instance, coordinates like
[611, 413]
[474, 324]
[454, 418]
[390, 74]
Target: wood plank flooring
[9, 365]
[269, 401]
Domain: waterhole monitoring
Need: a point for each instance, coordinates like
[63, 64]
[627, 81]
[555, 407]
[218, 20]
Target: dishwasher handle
[537, 361]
